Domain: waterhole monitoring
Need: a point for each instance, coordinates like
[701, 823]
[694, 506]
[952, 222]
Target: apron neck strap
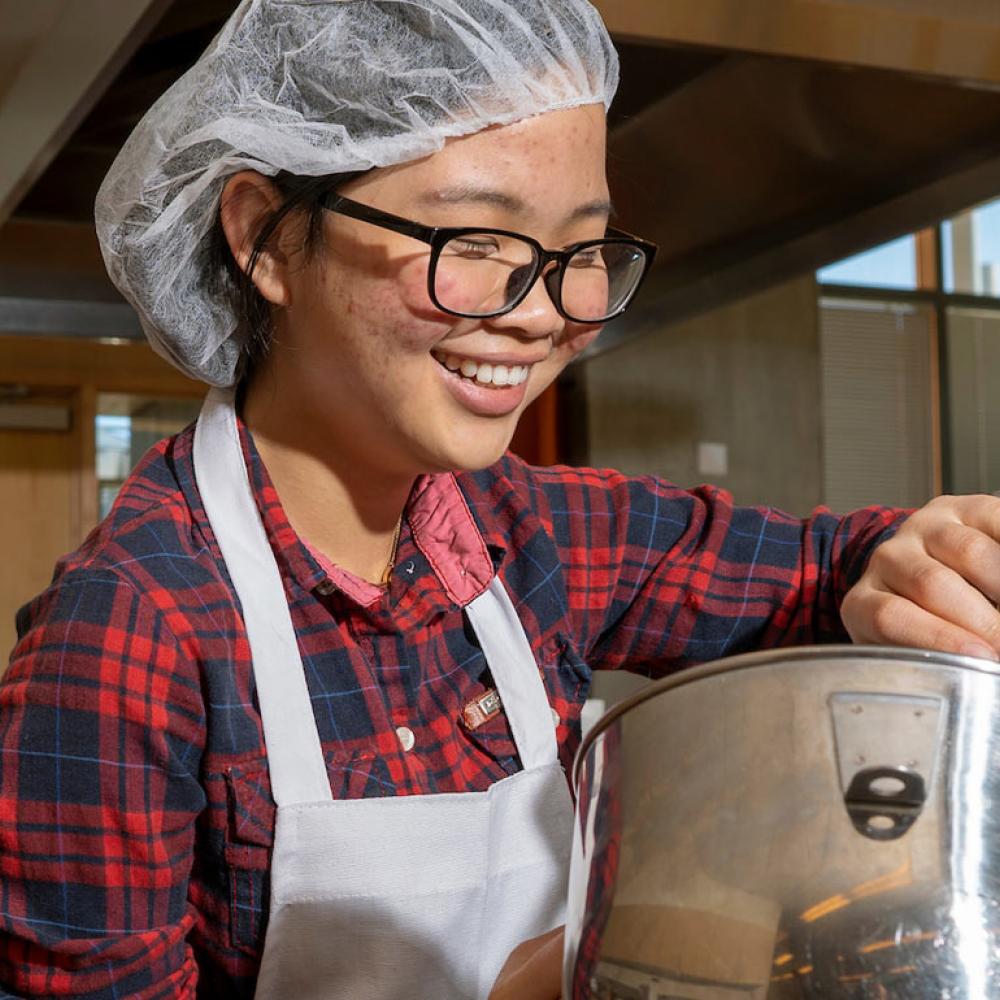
[294, 754]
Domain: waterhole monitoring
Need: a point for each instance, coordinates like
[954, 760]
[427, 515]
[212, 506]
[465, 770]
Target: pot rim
[770, 657]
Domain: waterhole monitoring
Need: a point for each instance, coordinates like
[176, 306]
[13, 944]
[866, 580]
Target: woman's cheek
[585, 292]
[411, 287]
[399, 315]
[460, 297]
[577, 342]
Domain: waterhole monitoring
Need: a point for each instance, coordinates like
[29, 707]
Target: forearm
[739, 579]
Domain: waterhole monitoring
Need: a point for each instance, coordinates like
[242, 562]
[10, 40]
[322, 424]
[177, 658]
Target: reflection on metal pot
[808, 823]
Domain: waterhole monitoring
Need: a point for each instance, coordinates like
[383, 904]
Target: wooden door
[40, 491]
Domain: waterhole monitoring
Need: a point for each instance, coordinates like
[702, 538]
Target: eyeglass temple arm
[622, 234]
[345, 206]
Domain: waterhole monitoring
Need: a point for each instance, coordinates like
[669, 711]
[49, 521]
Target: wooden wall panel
[48, 480]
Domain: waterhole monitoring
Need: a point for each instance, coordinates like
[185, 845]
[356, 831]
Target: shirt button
[325, 588]
[555, 718]
[406, 738]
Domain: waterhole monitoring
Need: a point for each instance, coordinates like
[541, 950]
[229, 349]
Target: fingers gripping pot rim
[780, 824]
[318, 88]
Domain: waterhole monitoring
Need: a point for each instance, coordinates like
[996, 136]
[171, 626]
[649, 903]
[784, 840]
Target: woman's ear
[248, 200]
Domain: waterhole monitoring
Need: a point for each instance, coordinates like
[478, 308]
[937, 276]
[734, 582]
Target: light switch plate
[713, 458]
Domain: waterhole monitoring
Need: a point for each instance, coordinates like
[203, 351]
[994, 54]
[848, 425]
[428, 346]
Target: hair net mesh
[315, 88]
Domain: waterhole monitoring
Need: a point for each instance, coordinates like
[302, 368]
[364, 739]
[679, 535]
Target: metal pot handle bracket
[887, 749]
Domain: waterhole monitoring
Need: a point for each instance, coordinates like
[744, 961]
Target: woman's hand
[935, 583]
[533, 971]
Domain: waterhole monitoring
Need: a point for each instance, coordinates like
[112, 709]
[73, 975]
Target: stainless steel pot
[819, 822]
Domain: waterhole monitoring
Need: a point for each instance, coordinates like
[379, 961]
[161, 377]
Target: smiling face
[363, 357]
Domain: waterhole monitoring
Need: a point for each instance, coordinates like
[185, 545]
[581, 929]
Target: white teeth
[485, 373]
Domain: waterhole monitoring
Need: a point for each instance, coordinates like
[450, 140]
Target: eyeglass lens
[481, 274]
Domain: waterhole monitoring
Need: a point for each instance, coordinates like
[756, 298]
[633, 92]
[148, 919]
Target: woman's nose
[536, 314]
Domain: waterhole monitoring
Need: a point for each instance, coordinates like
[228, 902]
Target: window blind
[877, 403]
[974, 399]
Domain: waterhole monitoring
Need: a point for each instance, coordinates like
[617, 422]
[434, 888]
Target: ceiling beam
[960, 41]
[66, 72]
[59, 318]
[56, 363]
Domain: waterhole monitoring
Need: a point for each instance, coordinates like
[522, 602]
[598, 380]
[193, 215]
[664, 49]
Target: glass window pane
[127, 427]
[971, 246]
[892, 265]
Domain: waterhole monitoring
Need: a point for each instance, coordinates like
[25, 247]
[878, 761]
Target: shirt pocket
[363, 773]
[566, 678]
[249, 841]
[495, 739]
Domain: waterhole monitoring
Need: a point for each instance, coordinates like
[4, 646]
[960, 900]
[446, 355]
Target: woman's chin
[470, 452]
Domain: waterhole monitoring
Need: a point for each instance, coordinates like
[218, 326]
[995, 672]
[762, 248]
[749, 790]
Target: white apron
[418, 896]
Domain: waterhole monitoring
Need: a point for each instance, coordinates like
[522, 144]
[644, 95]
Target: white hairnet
[317, 87]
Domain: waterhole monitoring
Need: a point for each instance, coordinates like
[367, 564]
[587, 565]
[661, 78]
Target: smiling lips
[482, 372]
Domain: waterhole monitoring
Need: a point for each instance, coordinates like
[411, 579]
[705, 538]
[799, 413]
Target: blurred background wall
[822, 324]
[727, 397]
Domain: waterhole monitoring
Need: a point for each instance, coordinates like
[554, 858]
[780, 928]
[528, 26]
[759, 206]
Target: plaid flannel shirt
[136, 817]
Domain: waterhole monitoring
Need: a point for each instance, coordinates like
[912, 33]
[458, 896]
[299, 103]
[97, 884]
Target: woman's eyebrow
[470, 194]
[466, 194]
[601, 209]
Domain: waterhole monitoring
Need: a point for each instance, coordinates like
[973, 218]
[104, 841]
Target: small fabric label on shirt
[480, 710]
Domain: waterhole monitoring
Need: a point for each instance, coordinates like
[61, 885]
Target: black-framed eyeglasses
[480, 273]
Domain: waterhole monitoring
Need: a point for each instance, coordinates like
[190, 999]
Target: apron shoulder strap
[515, 673]
[294, 754]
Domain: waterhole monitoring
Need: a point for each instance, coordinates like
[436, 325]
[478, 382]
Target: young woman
[293, 721]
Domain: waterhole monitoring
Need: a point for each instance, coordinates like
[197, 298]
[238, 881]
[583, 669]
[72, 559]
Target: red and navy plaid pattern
[135, 809]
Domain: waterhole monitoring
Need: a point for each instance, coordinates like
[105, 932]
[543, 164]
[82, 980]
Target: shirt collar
[441, 526]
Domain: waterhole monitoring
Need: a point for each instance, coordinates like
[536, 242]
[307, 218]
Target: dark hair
[252, 311]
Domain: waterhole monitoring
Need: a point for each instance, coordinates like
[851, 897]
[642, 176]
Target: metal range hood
[754, 140]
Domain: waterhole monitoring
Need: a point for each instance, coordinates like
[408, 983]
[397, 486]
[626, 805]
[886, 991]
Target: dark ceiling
[747, 170]
[65, 192]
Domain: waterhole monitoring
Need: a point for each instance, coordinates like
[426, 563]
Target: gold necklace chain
[387, 574]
